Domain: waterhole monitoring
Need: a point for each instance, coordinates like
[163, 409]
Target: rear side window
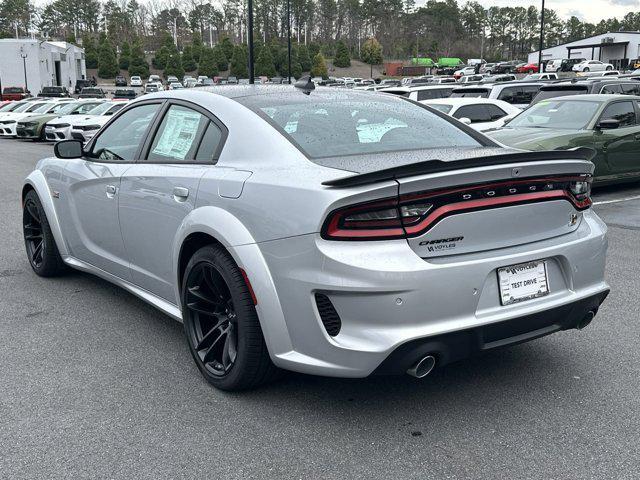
[621, 111]
[209, 143]
[611, 89]
[631, 88]
[178, 136]
[509, 95]
[120, 141]
[528, 93]
[480, 113]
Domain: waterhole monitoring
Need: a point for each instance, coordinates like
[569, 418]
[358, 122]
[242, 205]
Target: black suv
[505, 67]
[121, 81]
[628, 86]
[54, 92]
[82, 83]
[92, 92]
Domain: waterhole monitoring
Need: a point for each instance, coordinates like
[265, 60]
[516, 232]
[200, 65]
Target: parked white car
[62, 128]
[464, 71]
[136, 81]
[85, 126]
[8, 121]
[592, 66]
[518, 94]
[540, 76]
[422, 92]
[479, 113]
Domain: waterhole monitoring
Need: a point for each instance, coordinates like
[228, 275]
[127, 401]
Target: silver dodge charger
[325, 231]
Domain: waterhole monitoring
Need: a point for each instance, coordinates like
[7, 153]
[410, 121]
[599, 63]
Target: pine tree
[125, 56]
[227, 47]
[319, 68]
[188, 63]
[264, 63]
[174, 65]
[90, 51]
[107, 62]
[371, 53]
[138, 64]
[304, 58]
[239, 61]
[207, 64]
[160, 59]
[220, 57]
[342, 58]
[196, 45]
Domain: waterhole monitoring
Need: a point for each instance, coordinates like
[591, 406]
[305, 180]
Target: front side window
[621, 111]
[611, 89]
[353, 125]
[509, 95]
[120, 141]
[178, 137]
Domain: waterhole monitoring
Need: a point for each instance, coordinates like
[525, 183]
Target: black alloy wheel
[221, 322]
[215, 330]
[33, 235]
[41, 247]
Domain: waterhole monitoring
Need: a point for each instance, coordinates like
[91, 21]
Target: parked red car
[528, 68]
[15, 93]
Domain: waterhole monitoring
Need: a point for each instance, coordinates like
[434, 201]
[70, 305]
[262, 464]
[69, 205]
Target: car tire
[42, 251]
[609, 69]
[585, 69]
[221, 323]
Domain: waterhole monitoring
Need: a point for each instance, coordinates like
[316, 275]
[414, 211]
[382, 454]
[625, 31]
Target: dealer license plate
[522, 282]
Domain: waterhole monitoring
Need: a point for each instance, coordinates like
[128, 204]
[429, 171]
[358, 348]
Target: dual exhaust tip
[422, 367]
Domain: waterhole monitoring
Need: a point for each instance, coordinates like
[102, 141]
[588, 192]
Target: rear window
[471, 93]
[352, 125]
[12, 90]
[545, 94]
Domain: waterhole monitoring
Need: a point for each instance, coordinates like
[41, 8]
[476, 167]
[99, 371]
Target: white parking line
[617, 200]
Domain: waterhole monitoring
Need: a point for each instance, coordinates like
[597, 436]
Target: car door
[620, 146]
[89, 202]
[159, 191]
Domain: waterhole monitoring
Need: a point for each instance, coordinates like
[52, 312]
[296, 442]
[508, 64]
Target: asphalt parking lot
[94, 383]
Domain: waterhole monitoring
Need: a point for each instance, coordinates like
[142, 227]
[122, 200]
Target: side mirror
[608, 124]
[465, 120]
[68, 149]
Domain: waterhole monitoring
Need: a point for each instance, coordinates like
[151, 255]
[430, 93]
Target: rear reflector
[413, 214]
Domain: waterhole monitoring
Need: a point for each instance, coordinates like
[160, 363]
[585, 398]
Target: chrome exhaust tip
[586, 320]
[422, 367]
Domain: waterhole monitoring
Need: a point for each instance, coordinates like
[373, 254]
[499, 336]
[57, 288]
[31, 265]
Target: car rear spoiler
[437, 166]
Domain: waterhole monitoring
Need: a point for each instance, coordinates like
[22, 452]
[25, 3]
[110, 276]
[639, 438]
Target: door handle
[111, 191]
[180, 194]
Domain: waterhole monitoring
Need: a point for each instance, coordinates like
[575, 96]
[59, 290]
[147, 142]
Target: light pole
[252, 78]
[289, 40]
[24, 68]
[541, 45]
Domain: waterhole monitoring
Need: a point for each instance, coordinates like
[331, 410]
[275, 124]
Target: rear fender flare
[236, 238]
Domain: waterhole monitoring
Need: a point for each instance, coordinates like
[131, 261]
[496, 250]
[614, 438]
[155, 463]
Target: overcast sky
[587, 10]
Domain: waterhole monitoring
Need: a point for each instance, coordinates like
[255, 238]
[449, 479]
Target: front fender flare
[234, 236]
[38, 182]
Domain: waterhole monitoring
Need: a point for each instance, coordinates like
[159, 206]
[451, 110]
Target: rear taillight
[413, 214]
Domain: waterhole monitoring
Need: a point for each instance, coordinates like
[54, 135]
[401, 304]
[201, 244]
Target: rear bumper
[387, 296]
[456, 346]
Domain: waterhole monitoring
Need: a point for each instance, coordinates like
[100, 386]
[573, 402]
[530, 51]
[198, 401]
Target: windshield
[67, 108]
[8, 107]
[441, 107]
[100, 109]
[327, 126]
[558, 114]
[24, 107]
[43, 108]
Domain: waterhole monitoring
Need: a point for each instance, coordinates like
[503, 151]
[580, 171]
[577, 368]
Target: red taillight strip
[479, 204]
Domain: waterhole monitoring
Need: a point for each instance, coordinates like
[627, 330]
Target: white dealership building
[616, 48]
[40, 63]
